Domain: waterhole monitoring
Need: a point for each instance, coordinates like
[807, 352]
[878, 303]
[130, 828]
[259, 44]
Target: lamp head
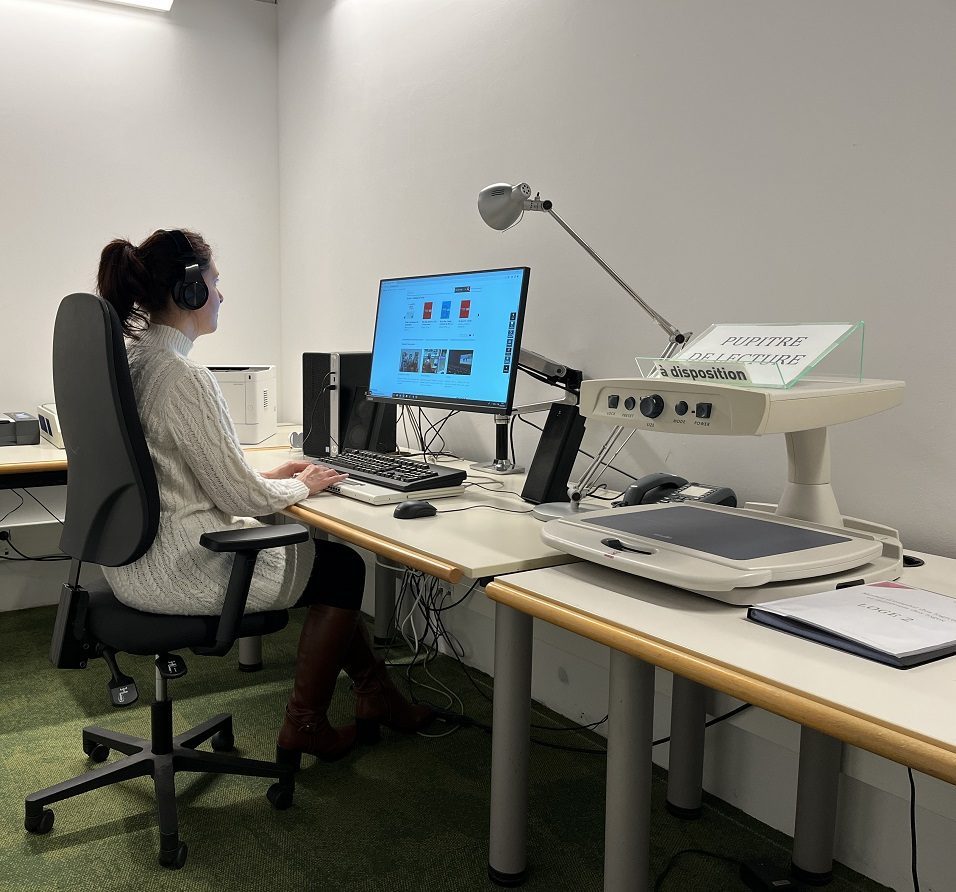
[502, 205]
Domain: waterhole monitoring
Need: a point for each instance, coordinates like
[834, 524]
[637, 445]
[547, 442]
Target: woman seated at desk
[166, 294]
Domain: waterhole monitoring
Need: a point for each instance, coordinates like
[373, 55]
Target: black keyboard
[393, 471]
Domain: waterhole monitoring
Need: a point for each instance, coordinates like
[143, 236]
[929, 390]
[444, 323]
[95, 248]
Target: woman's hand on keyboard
[319, 477]
[286, 470]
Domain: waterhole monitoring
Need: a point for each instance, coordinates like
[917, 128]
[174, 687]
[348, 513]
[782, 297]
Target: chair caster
[223, 742]
[98, 752]
[39, 824]
[279, 796]
[174, 859]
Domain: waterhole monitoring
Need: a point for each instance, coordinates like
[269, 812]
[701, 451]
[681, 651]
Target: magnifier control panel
[651, 406]
[690, 407]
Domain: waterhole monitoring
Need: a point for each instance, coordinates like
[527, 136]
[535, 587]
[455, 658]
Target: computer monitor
[449, 341]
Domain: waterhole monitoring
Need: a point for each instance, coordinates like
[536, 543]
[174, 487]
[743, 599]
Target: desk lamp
[502, 206]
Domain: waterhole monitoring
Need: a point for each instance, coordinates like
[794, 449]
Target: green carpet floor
[407, 814]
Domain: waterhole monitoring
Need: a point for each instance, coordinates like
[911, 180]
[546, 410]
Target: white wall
[735, 161]
[115, 122]
[740, 161]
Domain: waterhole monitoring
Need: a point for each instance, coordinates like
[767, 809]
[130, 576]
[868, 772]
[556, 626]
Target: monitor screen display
[449, 341]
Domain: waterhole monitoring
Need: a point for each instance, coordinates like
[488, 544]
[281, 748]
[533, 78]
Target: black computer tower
[335, 413]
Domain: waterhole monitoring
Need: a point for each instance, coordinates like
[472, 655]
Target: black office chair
[112, 514]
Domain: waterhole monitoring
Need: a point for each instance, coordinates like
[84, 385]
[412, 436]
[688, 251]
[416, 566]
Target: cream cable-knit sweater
[205, 484]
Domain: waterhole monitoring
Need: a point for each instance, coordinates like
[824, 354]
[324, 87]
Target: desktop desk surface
[904, 715]
[44, 456]
[474, 544]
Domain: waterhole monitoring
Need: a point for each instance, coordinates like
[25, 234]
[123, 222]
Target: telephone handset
[664, 487]
[647, 489]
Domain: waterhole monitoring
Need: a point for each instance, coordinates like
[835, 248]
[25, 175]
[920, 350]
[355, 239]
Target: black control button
[630, 403]
[681, 408]
[612, 400]
[703, 410]
[652, 406]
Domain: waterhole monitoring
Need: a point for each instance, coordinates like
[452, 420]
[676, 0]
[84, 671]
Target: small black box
[19, 429]
[766, 876]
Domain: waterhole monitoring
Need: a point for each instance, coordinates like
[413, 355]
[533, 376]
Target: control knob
[652, 406]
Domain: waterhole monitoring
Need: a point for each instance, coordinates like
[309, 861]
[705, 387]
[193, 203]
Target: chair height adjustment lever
[170, 666]
[122, 688]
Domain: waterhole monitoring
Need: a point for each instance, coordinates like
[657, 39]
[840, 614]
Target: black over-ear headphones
[189, 288]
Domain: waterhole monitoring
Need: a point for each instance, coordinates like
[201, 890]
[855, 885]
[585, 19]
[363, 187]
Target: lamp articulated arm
[677, 338]
[501, 206]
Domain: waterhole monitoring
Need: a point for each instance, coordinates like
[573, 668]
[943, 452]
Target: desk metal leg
[510, 745]
[385, 578]
[818, 784]
[686, 765]
[250, 654]
[627, 822]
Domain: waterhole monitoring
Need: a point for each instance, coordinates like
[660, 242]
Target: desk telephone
[663, 487]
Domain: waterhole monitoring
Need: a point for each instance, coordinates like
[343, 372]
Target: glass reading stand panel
[765, 355]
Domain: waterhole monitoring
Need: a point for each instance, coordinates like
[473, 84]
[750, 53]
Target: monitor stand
[501, 464]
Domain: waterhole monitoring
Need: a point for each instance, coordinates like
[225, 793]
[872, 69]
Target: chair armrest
[246, 544]
[255, 538]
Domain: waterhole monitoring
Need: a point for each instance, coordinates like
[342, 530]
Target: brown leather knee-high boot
[377, 700]
[326, 635]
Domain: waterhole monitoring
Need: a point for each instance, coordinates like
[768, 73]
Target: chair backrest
[112, 502]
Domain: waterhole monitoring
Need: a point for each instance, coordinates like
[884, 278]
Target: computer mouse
[412, 508]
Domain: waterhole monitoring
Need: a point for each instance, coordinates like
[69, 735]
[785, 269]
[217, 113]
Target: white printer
[49, 424]
[250, 392]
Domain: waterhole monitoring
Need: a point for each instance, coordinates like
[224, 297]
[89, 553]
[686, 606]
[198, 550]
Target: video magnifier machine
[804, 544]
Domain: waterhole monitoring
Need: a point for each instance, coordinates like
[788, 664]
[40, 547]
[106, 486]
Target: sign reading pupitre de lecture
[753, 354]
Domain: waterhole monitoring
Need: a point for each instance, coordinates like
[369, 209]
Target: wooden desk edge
[30, 467]
[400, 553]
[60, 464]
[890, 741]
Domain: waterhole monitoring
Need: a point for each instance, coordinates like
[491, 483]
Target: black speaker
[335, 413]
[550, 469]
